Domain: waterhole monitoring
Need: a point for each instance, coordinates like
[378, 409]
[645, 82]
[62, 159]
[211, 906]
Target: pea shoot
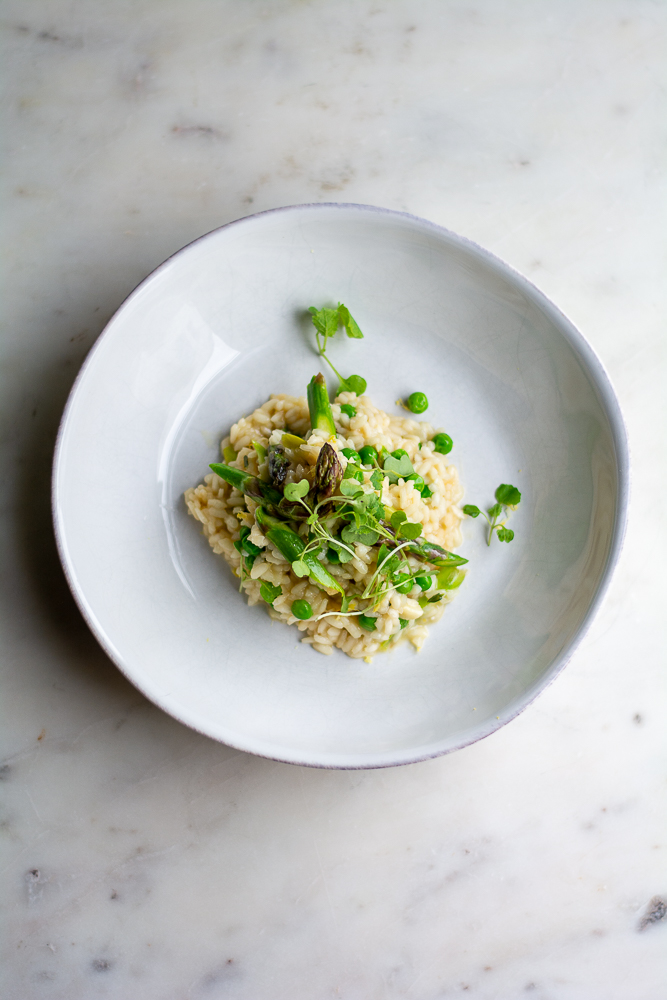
[349, 410]
[507, 499]
[326, 323]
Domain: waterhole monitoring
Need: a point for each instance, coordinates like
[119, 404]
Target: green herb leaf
[351, 327]
[376, 480]
[353, 471]
[353, 383]
[495, 511]
[299, 568]
[403, 622]
[325, 321]
[397, 518]
[508, 495]
[350, 488]
[409, 530]
[269, 591]
[294, 491]
[471, 510]
[369, 622]
[398, 468]
[505, 534]
[352, 534]
[348, 410]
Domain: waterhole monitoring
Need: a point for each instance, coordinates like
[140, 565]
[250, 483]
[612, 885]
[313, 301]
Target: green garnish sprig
[507, 499]
[326, 323]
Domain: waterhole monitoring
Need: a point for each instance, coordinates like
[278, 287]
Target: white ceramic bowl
[206, 338]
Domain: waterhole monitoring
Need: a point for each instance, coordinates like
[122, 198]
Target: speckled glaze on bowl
[206, 338]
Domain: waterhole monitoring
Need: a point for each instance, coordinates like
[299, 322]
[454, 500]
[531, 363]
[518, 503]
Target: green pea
[348, 409]
[417, 480]
[417, 402]
[302, 609]
[352, 455]
[368, 454]
[443, 443]
[426, 492]
[399, 453]
[424, 582]
[406, 586]
[368, 622]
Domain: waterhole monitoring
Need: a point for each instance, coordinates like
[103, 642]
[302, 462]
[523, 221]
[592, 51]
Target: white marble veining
[141, 860]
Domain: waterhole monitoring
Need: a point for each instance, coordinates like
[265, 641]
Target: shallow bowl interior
[207, 338]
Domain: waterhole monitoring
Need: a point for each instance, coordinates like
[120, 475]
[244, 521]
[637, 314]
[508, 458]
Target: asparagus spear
[278, 464]
[292, 547]
[426, 551]
[250, 485]
[321, 417]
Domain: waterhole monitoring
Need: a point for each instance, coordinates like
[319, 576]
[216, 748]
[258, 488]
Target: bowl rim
[566, 327]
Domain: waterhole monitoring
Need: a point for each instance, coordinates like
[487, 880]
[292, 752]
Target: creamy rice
[223, 510]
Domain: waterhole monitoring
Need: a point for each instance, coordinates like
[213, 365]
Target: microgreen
[326, 323]
[269, 591]
[294, 491]
[398, 468]
[350, 487]
[507, 499]
[348, 410]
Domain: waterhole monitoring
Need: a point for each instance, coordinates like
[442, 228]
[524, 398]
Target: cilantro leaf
[471, 510]
[505, 534]
[270, 591]
[508, 495]
[294, 491]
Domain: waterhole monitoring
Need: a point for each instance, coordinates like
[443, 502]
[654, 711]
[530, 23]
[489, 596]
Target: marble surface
[142, 860]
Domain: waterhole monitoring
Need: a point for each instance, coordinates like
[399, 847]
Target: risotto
[343, 527]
